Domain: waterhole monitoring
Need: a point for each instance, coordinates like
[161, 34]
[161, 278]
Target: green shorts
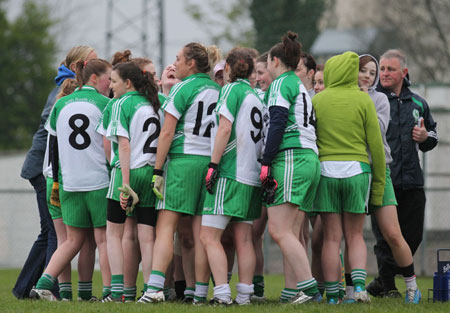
[235, 199]
[55, 212]
[84, 209]
[297, 172]
[184, 184]
[338, 195]
[140, 182]
[389, 194]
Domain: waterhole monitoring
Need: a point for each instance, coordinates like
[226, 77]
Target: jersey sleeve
[177, 103]
[228, 102]
[279, 94]
[103, 123]
[120, 122]
[50, 125]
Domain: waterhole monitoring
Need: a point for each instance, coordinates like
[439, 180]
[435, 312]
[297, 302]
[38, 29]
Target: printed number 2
[79, 130]
[258, 124]
[152, 137]
[198, 120]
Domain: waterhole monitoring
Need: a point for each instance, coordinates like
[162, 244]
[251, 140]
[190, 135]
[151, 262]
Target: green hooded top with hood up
[347, 121]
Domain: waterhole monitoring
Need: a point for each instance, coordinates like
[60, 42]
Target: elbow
[225, 130]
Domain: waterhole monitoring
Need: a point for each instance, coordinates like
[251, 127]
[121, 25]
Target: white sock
[201, 291]
[243, 292]
[223, 292]
[155, 283]
[349, 291]
[410, 282]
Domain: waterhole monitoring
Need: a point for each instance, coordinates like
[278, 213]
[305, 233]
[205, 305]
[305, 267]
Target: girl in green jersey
[185, 138]
[290, 155]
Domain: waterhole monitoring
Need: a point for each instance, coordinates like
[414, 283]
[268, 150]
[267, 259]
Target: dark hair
[121, 57]
[142, 81]
[84, 69]
[288, 50]
[199, 53]
[364, 60]
[320, 67]
[308, 61]
[252, 51]
[240, 62]
[263, 58]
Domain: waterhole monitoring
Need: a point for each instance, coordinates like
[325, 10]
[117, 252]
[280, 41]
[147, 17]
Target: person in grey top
[45, 244]
[386, 214]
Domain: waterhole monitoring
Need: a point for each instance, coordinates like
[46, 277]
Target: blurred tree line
[27, 72]
[258, 23]
[419, 27]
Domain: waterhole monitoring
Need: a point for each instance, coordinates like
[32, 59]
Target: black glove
[269, 186]
[211, 177]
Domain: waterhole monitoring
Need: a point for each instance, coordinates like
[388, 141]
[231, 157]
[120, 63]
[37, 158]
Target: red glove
[265, 173]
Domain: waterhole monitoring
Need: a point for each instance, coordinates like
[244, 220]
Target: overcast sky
[84, 22]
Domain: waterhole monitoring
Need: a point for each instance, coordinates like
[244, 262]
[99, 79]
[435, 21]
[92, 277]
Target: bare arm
[107, 148]
[222, 137]
[124, 157]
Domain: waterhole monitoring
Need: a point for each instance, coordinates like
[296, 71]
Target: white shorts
[220, 221]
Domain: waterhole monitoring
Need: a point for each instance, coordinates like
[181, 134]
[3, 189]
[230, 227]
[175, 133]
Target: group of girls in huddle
[132, 167]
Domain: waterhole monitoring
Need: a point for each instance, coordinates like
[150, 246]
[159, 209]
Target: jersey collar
[288, 73]
[243, 80]
[87, 88]
[197, 75]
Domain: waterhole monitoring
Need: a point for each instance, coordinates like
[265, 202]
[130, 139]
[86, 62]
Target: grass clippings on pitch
[274, 284]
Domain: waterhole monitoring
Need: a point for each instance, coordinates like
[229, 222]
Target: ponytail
[84, 69]
[199, 53]
[142, 81]
[288, 50]
[240, 62]
[67, 87]
[121, 57]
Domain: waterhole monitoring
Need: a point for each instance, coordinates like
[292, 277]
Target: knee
[393, 238]
[277, 233]
[205, 239]
[187, 242]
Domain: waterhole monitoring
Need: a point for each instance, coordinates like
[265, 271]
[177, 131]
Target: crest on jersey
[416, 114]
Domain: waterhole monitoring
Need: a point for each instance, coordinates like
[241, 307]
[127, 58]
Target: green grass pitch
[274, 284]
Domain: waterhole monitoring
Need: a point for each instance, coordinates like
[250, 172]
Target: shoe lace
[411, 293]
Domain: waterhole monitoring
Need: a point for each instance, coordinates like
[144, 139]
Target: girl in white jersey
[234, 164]
[83, 170]
[185, 137]
[86, 259]
[134, 127]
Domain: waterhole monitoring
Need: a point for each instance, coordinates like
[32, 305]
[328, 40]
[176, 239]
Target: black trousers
[411, 213]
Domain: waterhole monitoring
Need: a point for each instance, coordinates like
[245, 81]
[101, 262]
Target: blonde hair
[214, 57]
[78, 53]
[68, 86]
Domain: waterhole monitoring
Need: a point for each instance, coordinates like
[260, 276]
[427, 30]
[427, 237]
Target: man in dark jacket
[411, 128]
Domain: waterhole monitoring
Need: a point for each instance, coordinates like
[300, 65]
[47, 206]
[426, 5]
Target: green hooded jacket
[347, 122]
